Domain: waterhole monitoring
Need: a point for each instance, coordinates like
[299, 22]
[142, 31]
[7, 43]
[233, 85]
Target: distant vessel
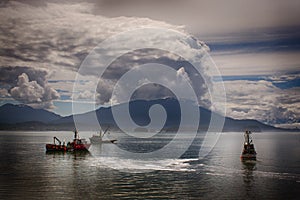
[248, 152]
[77, 144]
[98, 139]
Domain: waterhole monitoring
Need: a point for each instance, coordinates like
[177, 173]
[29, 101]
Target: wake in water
[186, 165]
[140, 166]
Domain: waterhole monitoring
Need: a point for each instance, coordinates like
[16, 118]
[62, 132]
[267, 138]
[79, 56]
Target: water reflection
[75, 155]
[248, 167]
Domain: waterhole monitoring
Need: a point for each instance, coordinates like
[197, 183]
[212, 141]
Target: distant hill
[12, 114]
[139, 110]
[21, 117]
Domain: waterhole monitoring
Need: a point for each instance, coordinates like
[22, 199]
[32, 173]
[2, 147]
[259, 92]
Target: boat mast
[105, 131]
[75, 134]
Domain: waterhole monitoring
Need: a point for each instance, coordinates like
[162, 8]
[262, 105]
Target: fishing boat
[248, 152]
[56, 146]
[98, 139]
[78, 144]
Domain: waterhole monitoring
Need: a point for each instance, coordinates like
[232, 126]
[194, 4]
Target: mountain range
[22, 117]
[12, 114]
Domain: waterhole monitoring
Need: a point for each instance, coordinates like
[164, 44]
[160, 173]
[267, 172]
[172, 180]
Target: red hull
[76, 145]
[79, 147]
[63, 148]
[54, 147]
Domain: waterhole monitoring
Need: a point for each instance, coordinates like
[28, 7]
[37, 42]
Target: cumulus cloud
[27, 85]
[3, 92]
[27, 92]
[85, 95]
[181, 74]
[263, 101]
[32, 93]
[185, 72]
[150, 82]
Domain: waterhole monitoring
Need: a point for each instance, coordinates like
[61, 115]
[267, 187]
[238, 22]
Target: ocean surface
[28, 172]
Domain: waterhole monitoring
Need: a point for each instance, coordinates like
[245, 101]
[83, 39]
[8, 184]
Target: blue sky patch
[288, 84]
[238, 78]
[282, 84]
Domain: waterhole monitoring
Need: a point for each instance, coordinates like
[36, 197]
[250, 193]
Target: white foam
[135, 166]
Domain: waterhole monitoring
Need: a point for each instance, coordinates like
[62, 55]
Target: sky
[254, 44]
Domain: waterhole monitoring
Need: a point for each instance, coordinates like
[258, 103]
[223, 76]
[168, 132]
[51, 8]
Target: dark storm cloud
[152, 91]
[139, 57]
[10, 74]
[204, 17]
[56, 34]
[209, 17]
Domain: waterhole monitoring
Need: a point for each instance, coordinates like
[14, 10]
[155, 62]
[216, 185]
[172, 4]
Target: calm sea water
[28, 172]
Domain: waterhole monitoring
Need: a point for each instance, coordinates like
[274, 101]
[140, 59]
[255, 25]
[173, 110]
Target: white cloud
[283, 77]
[235, 63]
[4, 92]
[27, 85]
[30, 92]
[181, 74]
[262, 101]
